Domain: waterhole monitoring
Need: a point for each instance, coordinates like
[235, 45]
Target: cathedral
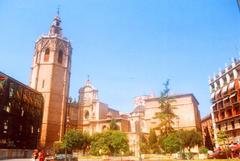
[50, 75]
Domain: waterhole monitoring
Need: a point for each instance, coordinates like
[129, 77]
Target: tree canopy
[72, 139]
[153, 141]
[109, 143]
[190, 138]
[172, 143]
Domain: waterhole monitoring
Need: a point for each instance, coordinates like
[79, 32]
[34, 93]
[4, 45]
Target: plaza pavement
[25, 159]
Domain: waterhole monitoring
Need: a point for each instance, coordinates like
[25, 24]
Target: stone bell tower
[50, 75]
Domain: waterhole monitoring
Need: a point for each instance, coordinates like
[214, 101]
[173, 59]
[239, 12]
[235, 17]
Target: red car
[219, 155]
[233, 152]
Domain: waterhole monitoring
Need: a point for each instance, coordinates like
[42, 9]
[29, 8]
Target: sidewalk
[17, 159]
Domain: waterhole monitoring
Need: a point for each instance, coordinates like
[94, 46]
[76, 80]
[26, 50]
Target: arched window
[86, 115]
[46, 55]
[60, 56]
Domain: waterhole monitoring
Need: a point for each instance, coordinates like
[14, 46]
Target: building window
[2, 84]
[5, 126]
[46, 55]
[224, 80]
[231, 76]
[86, 116]
[43, 83]
[219, 127]
[226, 126]
[36, 60]
[11, 90]
[32, 129]
[60, 56]
[233, 125]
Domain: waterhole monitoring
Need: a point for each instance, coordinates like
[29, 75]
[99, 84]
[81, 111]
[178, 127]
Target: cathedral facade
[95, 116]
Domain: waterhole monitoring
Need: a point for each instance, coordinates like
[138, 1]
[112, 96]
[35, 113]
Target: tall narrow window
[43, 83]
[36, 60]
[46, 55]
[60, 56]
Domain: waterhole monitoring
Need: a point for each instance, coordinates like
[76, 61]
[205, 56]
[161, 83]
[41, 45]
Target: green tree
[109, 143]
[171, 143]
[113, 125]
[222, 137]
[190, 138]
[153, 141]
[57, 147]
[86, 142]
[166, 115]
[144, 144]
[73, 139]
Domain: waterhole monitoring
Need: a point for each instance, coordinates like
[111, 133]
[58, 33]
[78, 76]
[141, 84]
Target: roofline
[175, 96]
[46, 36]
[30, 88]
[206, 117]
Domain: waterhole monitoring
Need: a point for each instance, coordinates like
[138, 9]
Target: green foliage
[179, 140]
[72, 139]
[144, 145]
[222, 137]
[86, 142]
[153, 142]
[75, 139]
[171, 143]
[166, 115]
[190, 138]
[57, 147]
[113, 125]
[203, 150]
[109, 143]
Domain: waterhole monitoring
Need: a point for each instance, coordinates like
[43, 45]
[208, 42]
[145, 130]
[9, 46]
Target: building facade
[207, 132]
[143, 119]
[95, 116]
[181, 104]
[225, 98]
[21, 111]
[50, 75]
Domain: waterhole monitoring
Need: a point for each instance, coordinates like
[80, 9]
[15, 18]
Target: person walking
[35, 155]
[41, 155]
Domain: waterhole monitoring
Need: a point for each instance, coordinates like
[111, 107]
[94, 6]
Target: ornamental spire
[55, 28]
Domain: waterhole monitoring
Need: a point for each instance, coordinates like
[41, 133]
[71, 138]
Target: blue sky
[128, 47]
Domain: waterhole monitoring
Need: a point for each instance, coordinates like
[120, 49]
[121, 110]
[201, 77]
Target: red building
[225, 97]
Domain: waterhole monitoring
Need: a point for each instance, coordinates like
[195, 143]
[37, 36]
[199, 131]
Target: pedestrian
[41, 155]
[35, 154]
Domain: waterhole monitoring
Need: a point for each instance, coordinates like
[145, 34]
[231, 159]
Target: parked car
[224, 154]
[219, 155]
[60, 157]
